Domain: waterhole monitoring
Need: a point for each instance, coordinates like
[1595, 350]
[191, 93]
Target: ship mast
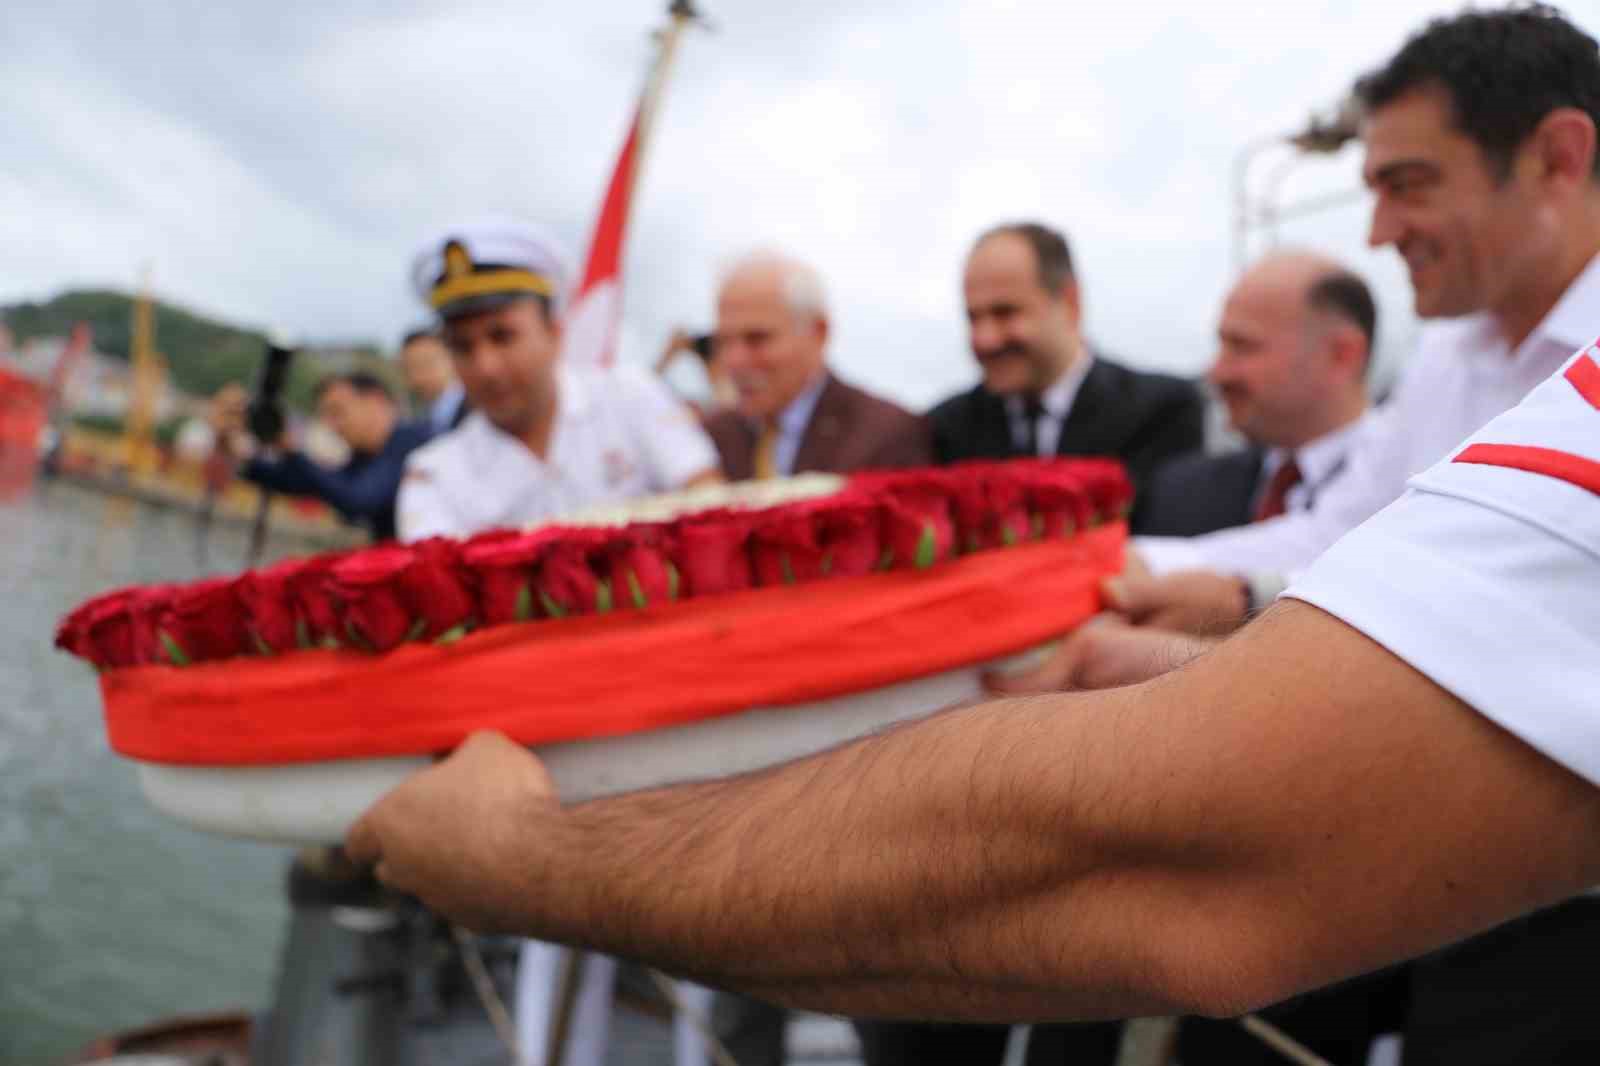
[148, 373]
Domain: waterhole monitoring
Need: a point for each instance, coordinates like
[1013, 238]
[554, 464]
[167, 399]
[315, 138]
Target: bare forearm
[1287, 811]
[913, 871]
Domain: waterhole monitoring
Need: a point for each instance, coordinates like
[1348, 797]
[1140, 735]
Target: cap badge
[457, 263]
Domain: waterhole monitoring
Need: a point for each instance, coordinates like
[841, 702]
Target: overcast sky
[278, 163]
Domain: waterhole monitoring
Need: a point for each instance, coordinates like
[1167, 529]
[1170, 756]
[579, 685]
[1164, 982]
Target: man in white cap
[544, 438]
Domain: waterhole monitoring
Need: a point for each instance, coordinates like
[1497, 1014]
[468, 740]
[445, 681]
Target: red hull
[220, 1038]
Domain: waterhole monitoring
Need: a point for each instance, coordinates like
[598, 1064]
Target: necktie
[1275, 500]
[1032, 411]
[766, 454]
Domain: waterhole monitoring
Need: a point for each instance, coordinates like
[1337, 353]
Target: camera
[266, 417]
[704, 345]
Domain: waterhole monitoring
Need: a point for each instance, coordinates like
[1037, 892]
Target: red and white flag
[594, 316]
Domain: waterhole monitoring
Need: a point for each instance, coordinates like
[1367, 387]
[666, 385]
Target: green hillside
[202, 353]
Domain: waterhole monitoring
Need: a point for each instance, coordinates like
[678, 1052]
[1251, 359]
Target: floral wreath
[375, 599]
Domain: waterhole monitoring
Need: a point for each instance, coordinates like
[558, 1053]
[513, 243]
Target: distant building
[100, 384]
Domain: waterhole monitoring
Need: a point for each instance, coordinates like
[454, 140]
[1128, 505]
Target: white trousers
[539, 971]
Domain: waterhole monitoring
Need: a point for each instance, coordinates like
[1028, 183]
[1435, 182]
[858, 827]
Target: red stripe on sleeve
[1574, 469]
[1585, 377]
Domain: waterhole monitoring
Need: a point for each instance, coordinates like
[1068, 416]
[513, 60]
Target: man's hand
[447, 834]
[681, 340]
[1104, 653]
[1190, 601]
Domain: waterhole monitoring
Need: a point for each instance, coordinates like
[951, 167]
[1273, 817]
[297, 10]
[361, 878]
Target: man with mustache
[1293, 347]
[1044, 392]
[544, 438]
[792, 414]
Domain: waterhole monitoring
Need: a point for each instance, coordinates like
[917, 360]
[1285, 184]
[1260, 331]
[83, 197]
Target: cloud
[278, 164]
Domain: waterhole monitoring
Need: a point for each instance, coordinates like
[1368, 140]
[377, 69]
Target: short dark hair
[420, 334]
[1050, 250]
[364, 382]
[1503, 69]
[547, 307]
[1345, 296]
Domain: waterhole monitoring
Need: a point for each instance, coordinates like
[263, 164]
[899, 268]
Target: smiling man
[1044, 392]
[1480, 152]
[1293, 344]
[793, 414]
[543, 439]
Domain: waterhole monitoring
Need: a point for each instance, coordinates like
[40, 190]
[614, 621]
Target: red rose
[1113, 490]
[1009, 522]
[712, 552]
[639, 567]
[268, 607]
[369, 587]
[72, 634]
[850, 532]
[316, 612]
[989, 504]
[1107, 485]
[567, 581]
[1060, 504]
[502, 565]
[203, 622]
[436, 588]
[784, 545]
[116, 629]
[918, 529]
[969, 506]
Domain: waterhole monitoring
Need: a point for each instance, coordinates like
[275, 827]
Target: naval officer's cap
[486, 264]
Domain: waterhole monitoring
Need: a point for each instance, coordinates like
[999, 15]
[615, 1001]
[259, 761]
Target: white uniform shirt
[1462, 375]
[1485, 575]
[618, 434]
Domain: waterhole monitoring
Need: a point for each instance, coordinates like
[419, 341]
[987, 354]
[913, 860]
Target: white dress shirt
[1056, 402]
[1462, 375]
[1321, 462]
[618, 434]
[1484, 575]
[792, 423]
[442, 411]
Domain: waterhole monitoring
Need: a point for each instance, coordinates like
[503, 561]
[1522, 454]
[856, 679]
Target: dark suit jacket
[849, 430]
[363, 490]
[1195, 494]
[1140, 418]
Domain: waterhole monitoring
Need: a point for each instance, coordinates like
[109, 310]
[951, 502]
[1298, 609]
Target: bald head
[772, 331]
[1294, 339]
